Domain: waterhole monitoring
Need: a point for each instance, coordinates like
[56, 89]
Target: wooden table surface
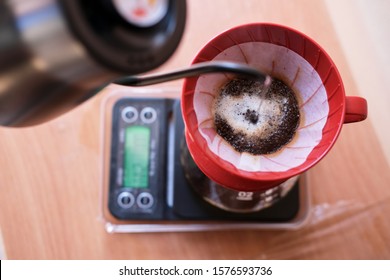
[50, 174]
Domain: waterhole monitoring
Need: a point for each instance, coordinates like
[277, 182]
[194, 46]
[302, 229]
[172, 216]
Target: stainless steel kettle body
[55, 54]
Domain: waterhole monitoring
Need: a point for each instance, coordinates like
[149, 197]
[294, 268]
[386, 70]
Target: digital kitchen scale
[144, 183]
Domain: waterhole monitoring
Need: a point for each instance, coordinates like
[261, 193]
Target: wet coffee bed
[256, 119]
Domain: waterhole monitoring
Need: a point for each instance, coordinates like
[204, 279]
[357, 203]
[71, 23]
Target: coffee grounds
[252, 116]
[254, 119]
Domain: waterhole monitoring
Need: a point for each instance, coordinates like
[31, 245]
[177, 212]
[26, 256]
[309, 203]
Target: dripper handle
[355, 109]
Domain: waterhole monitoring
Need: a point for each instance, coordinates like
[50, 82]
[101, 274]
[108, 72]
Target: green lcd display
[136, 157]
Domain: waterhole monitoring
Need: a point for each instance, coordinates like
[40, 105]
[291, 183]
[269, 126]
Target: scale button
[129, 114]
[145, 200]
[148, 115]
[125, 200]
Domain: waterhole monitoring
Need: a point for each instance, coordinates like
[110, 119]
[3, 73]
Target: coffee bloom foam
[298, 74]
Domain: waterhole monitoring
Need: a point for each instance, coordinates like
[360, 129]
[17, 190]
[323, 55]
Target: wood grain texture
[50, 174]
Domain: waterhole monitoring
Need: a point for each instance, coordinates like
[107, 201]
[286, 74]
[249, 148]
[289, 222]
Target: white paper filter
[298, 74]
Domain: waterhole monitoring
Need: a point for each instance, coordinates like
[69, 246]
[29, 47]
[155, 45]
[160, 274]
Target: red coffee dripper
[279, 51]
